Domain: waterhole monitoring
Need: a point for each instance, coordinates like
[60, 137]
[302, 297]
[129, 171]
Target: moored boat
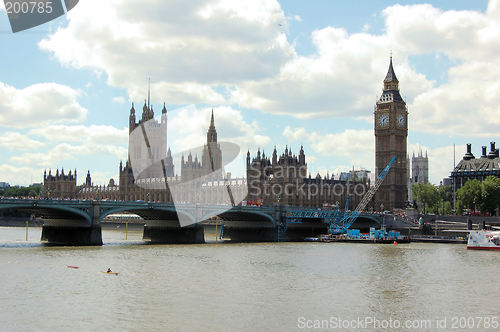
[484, 240]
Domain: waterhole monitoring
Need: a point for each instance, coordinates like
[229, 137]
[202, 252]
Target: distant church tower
[391, 131]
[419, 171]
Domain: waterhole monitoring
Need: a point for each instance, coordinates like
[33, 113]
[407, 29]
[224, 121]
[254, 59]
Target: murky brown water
[239, 287]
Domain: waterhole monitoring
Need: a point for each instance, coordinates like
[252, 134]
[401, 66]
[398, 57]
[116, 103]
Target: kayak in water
[115, 273]
[72, 267]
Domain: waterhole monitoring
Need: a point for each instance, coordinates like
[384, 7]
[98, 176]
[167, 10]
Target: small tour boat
[485, 240]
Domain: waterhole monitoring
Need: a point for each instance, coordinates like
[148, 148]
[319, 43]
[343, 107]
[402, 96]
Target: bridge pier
[238, 234]
[193, 234]
[72, 236]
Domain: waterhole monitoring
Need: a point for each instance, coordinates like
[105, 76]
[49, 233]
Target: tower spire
[212, 132]
[391, 76]
[149, 91]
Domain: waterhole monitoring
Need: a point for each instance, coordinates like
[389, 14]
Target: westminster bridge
[78, 222]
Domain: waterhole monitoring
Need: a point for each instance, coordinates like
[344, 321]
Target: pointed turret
[391, 76]
[302, 156]
[391, 87]
[145, 111]
[164, 110]
[212, 132]
[131, 124]
[88, 179]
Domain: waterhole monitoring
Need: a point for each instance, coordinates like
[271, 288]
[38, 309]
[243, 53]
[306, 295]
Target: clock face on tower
[383, 120]
[401, 120]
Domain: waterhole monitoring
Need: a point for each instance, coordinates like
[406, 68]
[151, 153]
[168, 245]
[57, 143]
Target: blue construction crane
[341, 226]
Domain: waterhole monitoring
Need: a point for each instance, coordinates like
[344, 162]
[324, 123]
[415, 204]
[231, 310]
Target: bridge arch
[148, 212]
[40, 207]
[230, 215]
[365, 221]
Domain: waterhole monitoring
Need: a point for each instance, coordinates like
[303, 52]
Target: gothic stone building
[391, 131]
[284, 180]
[149, 176]
[60, 185]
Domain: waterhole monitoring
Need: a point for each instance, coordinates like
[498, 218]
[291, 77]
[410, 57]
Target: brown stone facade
[391, 132]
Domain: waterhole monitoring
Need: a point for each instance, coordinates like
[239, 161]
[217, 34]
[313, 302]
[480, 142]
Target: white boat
[485, 240]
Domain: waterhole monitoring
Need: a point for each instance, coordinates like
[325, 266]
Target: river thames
[244, 287]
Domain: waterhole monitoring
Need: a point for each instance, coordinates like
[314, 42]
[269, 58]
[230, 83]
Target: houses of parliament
[149, 174]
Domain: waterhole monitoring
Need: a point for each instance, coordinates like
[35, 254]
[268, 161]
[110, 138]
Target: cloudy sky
[276, 73]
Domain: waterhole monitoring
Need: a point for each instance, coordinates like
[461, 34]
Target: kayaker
[109, 270]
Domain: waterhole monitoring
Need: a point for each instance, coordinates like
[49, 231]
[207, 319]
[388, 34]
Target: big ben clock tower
[391, 131]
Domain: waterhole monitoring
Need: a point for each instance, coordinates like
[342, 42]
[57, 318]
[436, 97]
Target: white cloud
[94, 134]
[64, 152]
[355, 145]
[39, 104]
[17, 141]
[20, 175]
[469, 102]
[183, 46]
[227, 52]
[187, 128]
[69, 143]
[118, 100]
[297, 18]
[220, 51]
[296, 134]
